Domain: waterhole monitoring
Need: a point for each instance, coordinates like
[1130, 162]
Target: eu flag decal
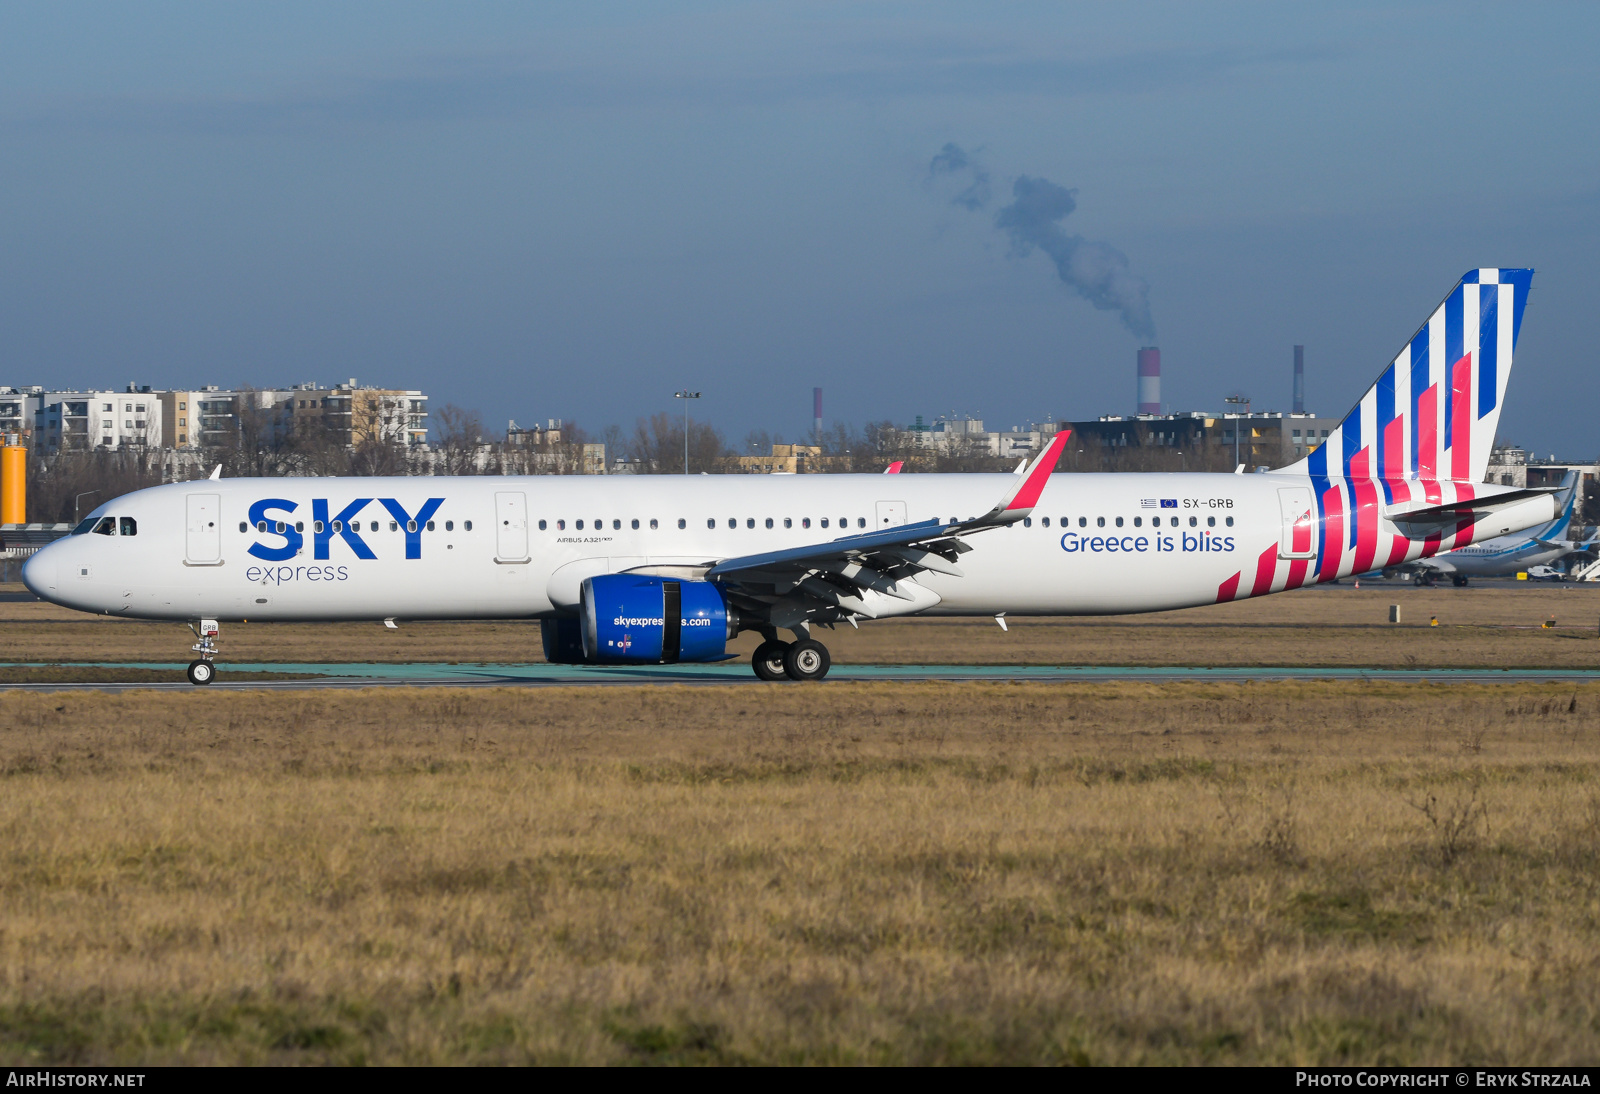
[1169, 503]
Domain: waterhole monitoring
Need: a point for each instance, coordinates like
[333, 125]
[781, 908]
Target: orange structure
[13, 484]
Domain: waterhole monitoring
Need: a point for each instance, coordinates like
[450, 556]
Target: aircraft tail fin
[1433, 412]
[1566, 505]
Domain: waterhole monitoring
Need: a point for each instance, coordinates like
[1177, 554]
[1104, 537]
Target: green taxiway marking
[739, 670]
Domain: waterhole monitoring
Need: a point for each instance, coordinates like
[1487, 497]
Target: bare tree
[460, 437]
[657, 445]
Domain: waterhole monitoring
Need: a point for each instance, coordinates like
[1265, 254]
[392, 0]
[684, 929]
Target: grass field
[1333, 625]
[881, 873]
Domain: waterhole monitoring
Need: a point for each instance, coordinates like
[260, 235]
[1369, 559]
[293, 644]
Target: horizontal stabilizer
[1422, 523]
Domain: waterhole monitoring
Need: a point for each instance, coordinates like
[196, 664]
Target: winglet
[894, 468]
[216, 472]
[1026, 495]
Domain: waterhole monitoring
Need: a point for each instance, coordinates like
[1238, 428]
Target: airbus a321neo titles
[659, 570]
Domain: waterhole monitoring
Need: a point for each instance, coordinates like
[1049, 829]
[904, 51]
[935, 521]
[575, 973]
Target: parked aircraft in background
[1504, 555]
[658, 569]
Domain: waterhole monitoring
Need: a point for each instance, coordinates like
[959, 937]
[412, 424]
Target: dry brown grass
[925, 873]
[1338, 625]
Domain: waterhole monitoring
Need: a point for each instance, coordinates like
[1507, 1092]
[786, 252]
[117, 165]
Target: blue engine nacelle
[636, 618]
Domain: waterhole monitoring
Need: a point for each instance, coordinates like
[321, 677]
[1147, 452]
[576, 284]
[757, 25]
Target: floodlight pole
[1238, 400]
[686, 395]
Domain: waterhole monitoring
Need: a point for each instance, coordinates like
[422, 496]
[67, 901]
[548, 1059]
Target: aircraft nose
[39, 573]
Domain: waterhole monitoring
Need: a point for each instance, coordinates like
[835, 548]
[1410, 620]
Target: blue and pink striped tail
[1421, 435]
[1433, 413]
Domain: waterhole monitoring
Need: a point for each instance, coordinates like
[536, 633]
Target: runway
[432, 675]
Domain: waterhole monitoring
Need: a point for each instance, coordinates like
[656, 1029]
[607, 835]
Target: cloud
[517, 81]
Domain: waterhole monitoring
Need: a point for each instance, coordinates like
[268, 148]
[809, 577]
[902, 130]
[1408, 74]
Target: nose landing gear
[201, 669]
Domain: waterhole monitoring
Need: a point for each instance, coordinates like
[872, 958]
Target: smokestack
[1299, 379]
[816, 414]
[1149, 380]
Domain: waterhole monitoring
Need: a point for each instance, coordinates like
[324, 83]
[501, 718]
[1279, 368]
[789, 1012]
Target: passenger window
[844, 522]
[805, 522]
[411, 526]
[578, 524]
[1099, 522]
[299, 526]
[316, 526]
[447, 525]
[769, 522]
[338, 526]
[561, 526]
[430, 526]
[749, 522]
[1119, 522]
[450, 526]
[374, 527]
[616, 525]
[824, 522]
[1027, 522]
[1137, 521]
[1083, 522]
[733, 522]
[261, 526]
[1045, 521]
[394, 526]
[788, 522]
[711, 522]
[129, 526]
[243, 527]
[682, 523]
[861, 522]
[653, 524]
[1193, 521]
[636, 524]
[1229, 521]
[106, 527]
[467, 525]
[1211, 522]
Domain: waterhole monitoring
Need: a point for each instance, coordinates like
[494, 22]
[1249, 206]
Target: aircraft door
[511, 527]
[891, 514]
[203, 539]
[1298, 536]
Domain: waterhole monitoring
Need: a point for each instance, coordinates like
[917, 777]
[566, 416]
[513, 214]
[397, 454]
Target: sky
[573, 210]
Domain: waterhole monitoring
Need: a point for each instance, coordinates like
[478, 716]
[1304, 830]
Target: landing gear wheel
[807, 660]
[1458, 580]
[201, 672]
[768, 660]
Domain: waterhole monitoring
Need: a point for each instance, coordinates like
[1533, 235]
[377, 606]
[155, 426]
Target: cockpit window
[106, 527]
[130, 527]
[85, 526]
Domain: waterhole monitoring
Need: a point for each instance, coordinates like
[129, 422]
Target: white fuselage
[520, 547]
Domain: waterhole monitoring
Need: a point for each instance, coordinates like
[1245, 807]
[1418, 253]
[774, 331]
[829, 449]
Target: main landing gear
[803, 660]
[202, 670]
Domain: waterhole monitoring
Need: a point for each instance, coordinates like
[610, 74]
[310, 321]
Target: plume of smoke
[953, 160]
[1095, 270]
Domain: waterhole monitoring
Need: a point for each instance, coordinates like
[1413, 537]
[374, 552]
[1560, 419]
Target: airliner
[1505, 555]
[658, 570]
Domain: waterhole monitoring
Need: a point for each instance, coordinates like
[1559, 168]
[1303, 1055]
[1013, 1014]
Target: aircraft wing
[867, 575]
